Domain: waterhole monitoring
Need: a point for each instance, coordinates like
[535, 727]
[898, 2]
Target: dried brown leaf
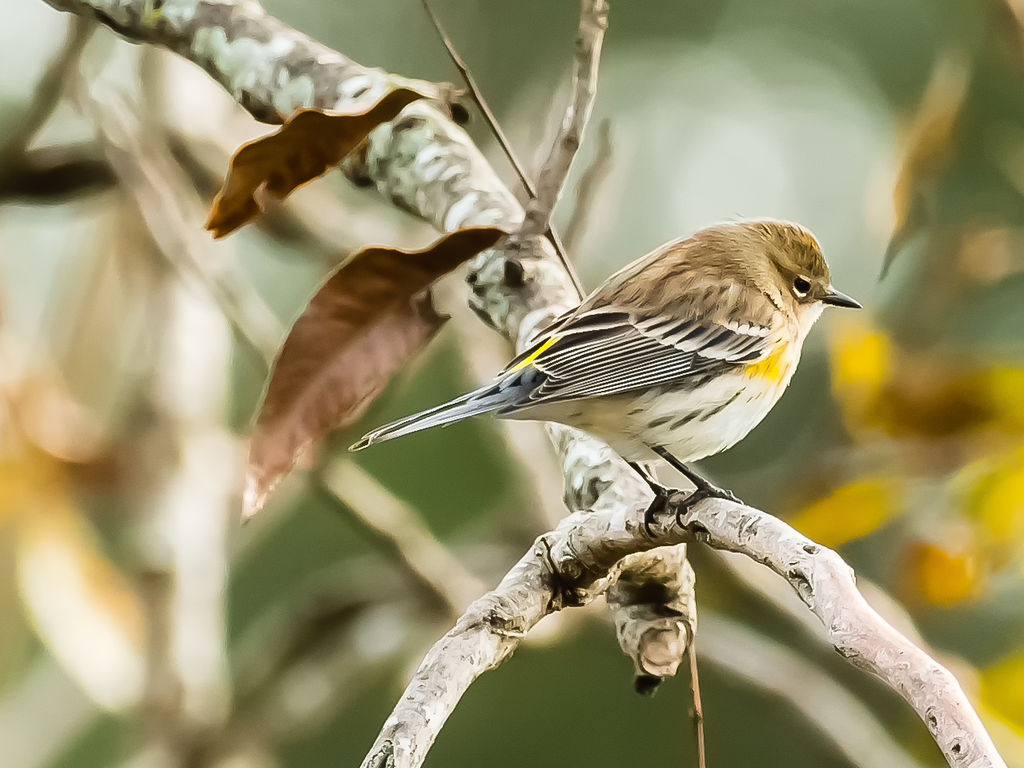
[310, 143]
[364, 323]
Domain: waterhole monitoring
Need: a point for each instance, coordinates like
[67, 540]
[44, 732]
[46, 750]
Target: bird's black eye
[801, 286]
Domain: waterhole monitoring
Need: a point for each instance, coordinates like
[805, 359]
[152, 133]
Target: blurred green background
[143, 626]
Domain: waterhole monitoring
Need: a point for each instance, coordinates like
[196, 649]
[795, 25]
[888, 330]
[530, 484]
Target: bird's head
[795, 256]
[784, 260]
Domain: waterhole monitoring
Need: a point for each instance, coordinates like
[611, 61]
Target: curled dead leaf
[306, 146]
[364, 323]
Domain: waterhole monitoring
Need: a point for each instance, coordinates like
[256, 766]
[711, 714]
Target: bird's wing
[606, 351]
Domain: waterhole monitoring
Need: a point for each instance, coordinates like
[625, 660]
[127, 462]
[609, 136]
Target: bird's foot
[657, 506]
[683, 501]
[705, 489]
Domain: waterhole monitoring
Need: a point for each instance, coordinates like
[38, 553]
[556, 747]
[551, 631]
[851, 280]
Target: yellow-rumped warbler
[678, 355]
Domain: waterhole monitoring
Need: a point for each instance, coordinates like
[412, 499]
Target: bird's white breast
[691, 423]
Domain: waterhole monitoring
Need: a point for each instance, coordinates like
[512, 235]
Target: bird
[675, 357]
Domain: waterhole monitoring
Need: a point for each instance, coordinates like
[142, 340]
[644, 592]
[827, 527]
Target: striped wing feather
[606, 351]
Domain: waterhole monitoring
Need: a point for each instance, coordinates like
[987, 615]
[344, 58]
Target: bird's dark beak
[838, 299]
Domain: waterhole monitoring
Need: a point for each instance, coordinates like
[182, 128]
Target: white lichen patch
[179, 13]
[244, 64]
[432, 162]
[121, 11]
[356, 86]
[459, 211]
[293, 94]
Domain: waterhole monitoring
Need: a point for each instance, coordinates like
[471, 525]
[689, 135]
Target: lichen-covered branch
[269, 68]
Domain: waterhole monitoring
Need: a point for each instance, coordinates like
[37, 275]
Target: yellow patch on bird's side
[528, 360]
[773, 368]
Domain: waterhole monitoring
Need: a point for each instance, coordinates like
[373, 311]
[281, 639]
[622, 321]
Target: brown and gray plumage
[683, 352]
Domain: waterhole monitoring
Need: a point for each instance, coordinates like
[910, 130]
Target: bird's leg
[704, 488]
[646, 476]
[661, 495]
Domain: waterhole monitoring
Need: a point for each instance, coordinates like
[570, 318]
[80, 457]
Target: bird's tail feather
[483, 400]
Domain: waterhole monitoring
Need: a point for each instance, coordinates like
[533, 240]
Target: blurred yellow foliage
[1006, 394]
[995, 501]
[1002, 689]
[862, 364]
[940, 576]
[851, 512]
[23, 478]
[81, 606]
[881, 388]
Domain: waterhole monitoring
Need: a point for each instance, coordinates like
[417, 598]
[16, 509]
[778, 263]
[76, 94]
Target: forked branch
[564, 569]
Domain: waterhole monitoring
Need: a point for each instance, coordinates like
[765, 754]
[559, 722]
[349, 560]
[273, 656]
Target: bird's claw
[655, 508]
[709, 491]
[683, 501]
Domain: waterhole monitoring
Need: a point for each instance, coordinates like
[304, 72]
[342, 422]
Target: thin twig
[399, 531]
[503, 141]
[481, 102]
[563, 256]
[49, 90]
[174, 217]
[847, 723]
[698, 707]
[589, 40]
[52, 174]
